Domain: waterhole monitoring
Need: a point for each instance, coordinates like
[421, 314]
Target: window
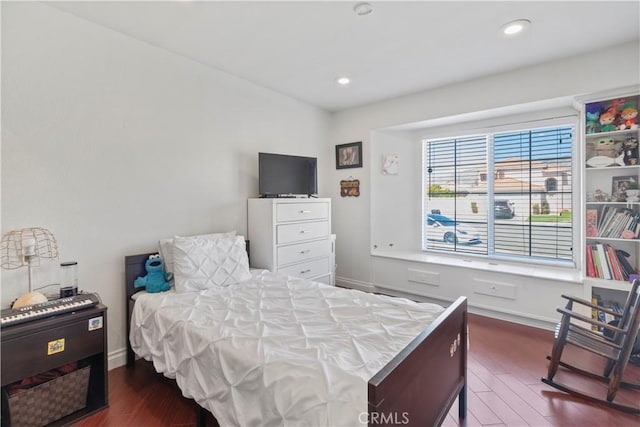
[500, 194]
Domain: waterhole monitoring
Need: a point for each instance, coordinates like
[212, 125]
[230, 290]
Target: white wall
[112, 144]
[395, 199]
[554, 84]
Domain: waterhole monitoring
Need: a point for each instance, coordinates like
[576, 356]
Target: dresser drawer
[301, 211]
[297, 232]
[303, 251]
[307, 269]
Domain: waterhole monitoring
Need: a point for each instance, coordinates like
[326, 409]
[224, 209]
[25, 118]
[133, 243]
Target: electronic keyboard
[14, 316]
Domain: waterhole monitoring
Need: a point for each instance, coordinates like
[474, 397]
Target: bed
[412, 377]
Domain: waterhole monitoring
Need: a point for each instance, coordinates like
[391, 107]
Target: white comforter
[275, 350]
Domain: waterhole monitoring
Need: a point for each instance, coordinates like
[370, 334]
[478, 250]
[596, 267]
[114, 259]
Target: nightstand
[41, 345]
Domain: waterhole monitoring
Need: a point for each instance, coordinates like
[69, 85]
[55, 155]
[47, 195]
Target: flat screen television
[282, 175]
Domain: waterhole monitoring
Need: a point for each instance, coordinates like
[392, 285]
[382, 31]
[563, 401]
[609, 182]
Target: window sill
[568, 274]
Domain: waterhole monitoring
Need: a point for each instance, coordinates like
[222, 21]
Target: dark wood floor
[506, 362]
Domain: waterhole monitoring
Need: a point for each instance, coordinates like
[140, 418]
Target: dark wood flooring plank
[481, 411]
[502, 409]
[475, 383]
[524, 391]
[519, 404]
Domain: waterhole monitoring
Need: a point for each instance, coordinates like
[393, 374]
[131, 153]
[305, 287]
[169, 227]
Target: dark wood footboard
[419, 386]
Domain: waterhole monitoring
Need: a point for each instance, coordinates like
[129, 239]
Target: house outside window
[524, 212]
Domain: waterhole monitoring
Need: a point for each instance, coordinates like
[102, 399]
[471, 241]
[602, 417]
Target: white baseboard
[354, 284]
[117, 358]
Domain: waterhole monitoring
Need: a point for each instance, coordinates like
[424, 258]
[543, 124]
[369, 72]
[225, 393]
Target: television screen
[282, 175]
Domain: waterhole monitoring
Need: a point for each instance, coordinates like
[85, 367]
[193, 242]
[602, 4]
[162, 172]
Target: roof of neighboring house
[516, 163]
[507, 185]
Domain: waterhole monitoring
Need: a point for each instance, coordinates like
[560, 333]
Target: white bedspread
[274, 350]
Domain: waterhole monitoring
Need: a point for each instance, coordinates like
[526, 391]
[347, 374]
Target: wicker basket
[50, 401]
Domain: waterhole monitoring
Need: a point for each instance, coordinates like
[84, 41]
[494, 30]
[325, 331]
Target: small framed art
[349, 155]
[620, 185]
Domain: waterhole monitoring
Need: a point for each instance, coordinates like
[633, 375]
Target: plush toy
[628, 117]
[608, 147]
[600, 196]
[630, 149]
[156, 280]
[593, 114]
[606, 120]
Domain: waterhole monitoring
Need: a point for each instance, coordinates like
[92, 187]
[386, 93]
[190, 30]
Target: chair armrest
[592, 305]
[589, 320]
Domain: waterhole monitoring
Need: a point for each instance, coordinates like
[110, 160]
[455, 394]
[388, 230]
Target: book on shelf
[600, 315]
[592, 222]
[622, 257]
[606, 262]
[615, 223]
[591, 268]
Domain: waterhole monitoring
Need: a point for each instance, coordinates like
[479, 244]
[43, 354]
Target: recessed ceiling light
[515, 27]
[343, 81]
[363, 8]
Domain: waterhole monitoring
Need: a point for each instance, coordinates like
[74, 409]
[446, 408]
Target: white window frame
[513, 124]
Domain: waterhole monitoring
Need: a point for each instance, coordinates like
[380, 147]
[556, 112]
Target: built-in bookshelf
[611, 206]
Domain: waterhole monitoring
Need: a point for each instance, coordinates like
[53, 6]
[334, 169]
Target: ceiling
[300, 48]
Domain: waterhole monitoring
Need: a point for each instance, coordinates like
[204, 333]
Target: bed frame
[417, 388]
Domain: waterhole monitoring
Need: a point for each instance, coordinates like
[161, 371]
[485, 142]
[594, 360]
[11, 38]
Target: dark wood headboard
[134, 268]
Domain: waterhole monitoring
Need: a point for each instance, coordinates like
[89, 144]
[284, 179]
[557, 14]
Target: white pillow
[204, 263]
[166, 247]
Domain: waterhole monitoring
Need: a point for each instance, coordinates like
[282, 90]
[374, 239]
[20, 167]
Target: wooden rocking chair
[616, 350]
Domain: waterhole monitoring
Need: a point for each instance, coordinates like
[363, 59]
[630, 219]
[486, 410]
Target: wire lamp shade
[25, 247]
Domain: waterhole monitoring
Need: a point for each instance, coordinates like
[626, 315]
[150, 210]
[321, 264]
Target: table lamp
[25, 247]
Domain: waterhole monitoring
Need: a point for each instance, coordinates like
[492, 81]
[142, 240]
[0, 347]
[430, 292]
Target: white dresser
[292, 236]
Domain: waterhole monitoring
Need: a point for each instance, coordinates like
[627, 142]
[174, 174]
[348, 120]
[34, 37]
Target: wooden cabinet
[292, 236]
[611, 205]
[39, 346]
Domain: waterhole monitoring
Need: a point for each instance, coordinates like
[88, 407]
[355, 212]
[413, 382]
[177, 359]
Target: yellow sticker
[55, 346]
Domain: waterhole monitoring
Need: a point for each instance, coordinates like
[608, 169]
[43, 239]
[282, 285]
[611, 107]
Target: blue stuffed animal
[156, 280]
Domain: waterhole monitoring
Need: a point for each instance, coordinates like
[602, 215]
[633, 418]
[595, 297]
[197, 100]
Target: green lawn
[565, 217]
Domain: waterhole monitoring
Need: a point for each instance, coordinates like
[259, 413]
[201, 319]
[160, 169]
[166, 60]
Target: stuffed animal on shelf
[593, 114]
[630, 149]
[156, 280]
[606, 120]
[608, 147]
[628, 117]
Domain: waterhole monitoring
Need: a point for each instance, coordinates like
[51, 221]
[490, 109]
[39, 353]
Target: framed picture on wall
[349, 155]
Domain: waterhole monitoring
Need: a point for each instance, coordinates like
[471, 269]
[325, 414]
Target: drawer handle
[304, 212]
[306, 251]
[304, 231]
[305, 271]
